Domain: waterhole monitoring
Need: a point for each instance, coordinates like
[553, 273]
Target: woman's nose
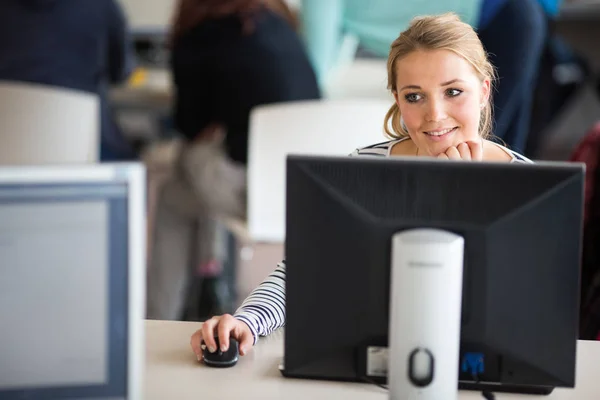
[436, 110]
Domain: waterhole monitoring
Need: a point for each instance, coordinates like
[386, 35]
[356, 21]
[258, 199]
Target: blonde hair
[439, 32]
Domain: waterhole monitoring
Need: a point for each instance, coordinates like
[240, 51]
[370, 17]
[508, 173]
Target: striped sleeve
[518, 158]
[264, 309]
[379, 149]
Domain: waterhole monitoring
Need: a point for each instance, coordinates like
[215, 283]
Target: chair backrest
[316, 127]
[360, 79]
[47, 125]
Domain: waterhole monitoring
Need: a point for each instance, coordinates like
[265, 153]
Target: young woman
[441, 79]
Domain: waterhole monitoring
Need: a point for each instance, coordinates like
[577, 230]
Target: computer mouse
[221, 359]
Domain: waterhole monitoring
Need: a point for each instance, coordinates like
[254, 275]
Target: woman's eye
[412, 97]
[453, 92]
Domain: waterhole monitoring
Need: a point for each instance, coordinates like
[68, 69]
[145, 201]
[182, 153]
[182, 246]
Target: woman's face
[440, 98]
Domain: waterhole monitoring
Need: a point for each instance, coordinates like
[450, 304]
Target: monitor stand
[425, 314]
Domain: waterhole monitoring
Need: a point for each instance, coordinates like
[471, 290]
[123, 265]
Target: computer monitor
[522, 226]
[72, 281]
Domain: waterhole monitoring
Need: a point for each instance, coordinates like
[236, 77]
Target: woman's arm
[264, 309]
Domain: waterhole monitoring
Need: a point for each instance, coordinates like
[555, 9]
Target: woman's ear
[486, 89]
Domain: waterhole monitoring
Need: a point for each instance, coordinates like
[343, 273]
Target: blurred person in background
[335, 31]
[512, 31]
[75, 44]
[515, 32]
[228, 56]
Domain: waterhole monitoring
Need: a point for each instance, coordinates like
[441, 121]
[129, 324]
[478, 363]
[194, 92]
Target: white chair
[47, 125]
[360, 79]
[324, 127]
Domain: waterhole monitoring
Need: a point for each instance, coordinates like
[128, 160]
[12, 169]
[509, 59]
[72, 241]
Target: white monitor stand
[425, 314]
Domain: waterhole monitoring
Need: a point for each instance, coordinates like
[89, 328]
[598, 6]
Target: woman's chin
[434, 145]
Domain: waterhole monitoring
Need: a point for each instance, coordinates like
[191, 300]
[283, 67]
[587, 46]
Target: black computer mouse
[221, 359]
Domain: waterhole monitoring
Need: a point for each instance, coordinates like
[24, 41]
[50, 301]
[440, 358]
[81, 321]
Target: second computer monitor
[522, 225]
[72, 281]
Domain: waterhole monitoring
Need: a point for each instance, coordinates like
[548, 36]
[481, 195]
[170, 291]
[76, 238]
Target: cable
[487, 395]
[475, 362]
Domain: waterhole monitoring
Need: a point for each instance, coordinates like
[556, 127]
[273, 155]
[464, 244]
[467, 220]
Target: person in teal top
[512, 31]
[333, 29]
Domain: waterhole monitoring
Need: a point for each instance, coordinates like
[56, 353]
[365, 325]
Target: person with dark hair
[228, 56]
[74, 44]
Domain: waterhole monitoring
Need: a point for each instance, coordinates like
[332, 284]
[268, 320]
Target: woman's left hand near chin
[469, 151]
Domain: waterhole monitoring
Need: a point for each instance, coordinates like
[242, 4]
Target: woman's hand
[223, 326]
[469, 151]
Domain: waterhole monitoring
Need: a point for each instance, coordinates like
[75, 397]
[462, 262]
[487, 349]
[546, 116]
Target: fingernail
[223, 348]
[198, 357]
[242, 350]
[211, 349]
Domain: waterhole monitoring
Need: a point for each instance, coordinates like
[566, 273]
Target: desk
[172, 372]
[154, 91]
[148, 15]
[141, 107]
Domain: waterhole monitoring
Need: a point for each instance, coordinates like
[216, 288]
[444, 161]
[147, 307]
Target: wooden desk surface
[172, 372]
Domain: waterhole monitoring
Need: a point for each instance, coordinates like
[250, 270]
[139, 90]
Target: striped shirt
[264, 309]
[385, 148]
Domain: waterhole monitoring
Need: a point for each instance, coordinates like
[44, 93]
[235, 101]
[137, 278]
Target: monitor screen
[522, 226]
[64, 294]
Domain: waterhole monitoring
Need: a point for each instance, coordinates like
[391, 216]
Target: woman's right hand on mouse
[224, 326]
